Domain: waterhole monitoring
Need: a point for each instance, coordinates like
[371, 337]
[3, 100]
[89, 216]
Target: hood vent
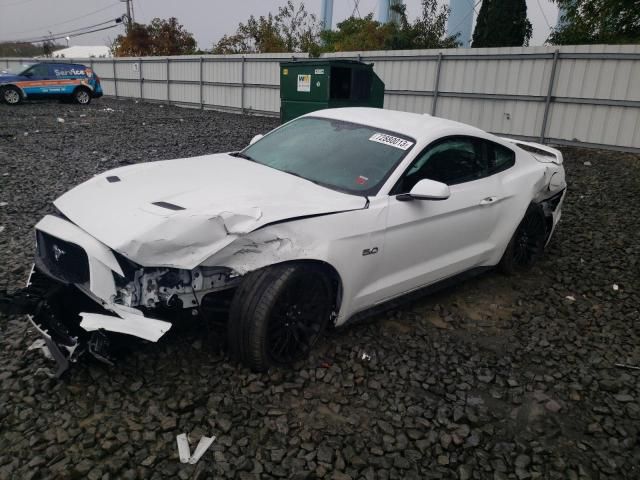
[168, 206]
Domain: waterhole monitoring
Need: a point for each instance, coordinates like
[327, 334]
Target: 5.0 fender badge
[369, 251]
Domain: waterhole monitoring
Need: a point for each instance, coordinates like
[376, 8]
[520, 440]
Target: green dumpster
[309, 85]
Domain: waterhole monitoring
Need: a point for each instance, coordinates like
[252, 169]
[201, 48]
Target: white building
[77, 51]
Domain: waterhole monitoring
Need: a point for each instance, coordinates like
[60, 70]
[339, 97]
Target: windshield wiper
[243, 155]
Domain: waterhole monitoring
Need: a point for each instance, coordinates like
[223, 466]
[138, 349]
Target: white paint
[223, 198]
[128, 323]
[243, 216]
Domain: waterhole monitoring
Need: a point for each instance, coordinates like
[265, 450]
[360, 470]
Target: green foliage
[598, 21]
[296, 30]
[427, 31]
[502, 23]
[160, 37]
[357, 34]
[290, 30]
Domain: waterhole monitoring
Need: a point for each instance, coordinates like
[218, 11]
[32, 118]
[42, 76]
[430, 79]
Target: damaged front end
[80, 294]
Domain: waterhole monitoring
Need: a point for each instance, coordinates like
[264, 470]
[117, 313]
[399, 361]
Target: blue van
[51, 80]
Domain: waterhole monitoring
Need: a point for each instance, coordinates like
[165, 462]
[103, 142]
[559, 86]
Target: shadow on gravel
[498, 377]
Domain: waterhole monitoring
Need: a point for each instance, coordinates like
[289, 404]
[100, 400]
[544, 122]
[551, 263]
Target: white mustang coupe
[323, 218]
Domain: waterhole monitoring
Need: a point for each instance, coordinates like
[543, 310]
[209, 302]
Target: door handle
[489, 200]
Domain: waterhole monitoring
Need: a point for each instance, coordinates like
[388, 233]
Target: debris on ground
[631, 367]
[466, 401]
[184, 451]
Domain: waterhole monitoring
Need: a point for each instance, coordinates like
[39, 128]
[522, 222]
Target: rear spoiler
[540, 152]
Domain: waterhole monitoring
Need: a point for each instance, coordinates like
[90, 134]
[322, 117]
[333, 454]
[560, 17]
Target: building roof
[78, 51]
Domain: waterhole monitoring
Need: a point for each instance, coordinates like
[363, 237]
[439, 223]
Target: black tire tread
[506, 264]
[10, 87]
[73, 95]
[250, 311]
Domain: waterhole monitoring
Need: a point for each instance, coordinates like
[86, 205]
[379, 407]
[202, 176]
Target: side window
[451, 161]
[39, 71]
[500, 158]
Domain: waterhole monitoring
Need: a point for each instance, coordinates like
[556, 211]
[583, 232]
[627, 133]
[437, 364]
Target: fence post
[140, 78]
[436, 86]
[201, 84]
[547, 104]
[115, 78]
[242, 85]
[168, 84]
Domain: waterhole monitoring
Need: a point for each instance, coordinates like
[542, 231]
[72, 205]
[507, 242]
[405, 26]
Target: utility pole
[129, 13]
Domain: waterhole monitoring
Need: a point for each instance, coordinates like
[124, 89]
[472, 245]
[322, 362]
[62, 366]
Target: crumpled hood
[177, 213]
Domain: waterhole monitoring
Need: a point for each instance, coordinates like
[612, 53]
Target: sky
[208, 20]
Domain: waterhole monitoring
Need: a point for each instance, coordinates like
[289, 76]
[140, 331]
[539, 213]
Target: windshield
[340, 155]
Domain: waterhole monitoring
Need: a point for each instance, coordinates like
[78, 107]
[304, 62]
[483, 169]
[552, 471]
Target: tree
[502, 23]
[357, 34]
[160, 37]
[427, 31]
[597, 21]
[26, 49]
[290, 30]
[295, 30]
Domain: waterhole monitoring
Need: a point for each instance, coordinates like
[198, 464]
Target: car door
[38, 81]
[428, 240]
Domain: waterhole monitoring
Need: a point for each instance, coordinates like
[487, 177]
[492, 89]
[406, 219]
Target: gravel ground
[499, 377]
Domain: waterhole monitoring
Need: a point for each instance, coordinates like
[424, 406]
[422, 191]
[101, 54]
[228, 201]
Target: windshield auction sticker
[390, 140]
[304, 83]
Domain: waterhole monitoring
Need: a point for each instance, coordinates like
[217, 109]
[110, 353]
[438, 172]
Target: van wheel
[527, 244]
[11, 95]
[278, 314]
[82, 96]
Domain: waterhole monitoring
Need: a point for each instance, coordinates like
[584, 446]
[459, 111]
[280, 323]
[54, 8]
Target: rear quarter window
[500, 158]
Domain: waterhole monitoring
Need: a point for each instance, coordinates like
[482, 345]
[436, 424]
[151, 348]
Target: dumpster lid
[325, 62]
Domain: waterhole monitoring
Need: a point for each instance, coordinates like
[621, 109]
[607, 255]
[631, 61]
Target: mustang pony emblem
[58, 253]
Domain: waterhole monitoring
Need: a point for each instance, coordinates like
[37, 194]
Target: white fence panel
[568, 95]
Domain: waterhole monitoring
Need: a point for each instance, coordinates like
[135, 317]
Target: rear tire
[11, 95]
[82, 96]
[277, 314]
[527, 244]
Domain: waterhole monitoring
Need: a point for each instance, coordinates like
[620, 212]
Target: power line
[70, 33]
[58, 37]
[46, 27]
[466, 16]
[544, 15]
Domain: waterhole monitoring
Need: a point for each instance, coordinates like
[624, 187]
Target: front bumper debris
[49, 308]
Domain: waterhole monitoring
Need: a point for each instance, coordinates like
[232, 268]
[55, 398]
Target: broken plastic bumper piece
[71, 323]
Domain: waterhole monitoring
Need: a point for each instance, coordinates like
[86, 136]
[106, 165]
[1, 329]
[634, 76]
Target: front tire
[11, 95]
[277, 314]
[527, 244]
[82, 96]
